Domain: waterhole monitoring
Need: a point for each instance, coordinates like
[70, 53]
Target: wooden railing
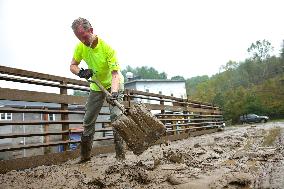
[181, 116]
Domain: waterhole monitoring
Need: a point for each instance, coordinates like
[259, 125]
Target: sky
[179, 37]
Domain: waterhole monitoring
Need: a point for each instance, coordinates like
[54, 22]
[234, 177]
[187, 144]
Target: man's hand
[112, 98]
[85, 73]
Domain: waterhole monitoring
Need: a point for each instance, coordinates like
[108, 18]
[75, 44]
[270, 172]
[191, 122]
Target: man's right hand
[85, 73]
[111, 98]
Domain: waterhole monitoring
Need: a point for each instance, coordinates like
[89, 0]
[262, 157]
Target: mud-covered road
[247, 156]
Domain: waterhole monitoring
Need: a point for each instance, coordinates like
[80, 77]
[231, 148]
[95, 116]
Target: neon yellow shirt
[102, 60]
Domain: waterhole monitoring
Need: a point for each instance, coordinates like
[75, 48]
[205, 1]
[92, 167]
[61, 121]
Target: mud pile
[249, 156]
[139, 129]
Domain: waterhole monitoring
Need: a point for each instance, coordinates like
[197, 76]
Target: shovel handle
[120, 106]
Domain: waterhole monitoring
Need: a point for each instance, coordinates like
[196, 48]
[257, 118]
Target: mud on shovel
[137, 126]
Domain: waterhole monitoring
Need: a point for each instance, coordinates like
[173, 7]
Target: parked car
[253, 118]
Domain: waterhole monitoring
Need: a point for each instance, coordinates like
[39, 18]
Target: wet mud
[247, 156]
[139, 128]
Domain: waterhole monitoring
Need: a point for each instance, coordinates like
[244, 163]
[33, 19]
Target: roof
[21, 104]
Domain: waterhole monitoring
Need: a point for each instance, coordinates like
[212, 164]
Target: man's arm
[82, 73]
[115, 81]
[74, 68]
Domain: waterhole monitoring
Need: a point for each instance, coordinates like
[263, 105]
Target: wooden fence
[182, 117]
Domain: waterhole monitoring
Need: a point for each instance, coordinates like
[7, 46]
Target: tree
[192, 83]
[231, 65]
[128, 69]
[260, 50]
[80, 93]
[282, 51]
[163, 75]
[178, 77]
[145, 72]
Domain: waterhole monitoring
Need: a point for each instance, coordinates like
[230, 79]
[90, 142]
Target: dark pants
[93, 106]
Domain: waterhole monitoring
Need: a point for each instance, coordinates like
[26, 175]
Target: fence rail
[180, 116]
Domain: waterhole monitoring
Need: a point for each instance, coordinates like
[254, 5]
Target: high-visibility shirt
[101, 59]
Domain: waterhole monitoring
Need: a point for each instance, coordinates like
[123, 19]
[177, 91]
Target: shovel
[137, 126]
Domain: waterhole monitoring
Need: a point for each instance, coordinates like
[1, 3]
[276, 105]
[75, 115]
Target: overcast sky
[179, 37]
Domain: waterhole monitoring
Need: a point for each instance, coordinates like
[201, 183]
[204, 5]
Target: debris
[229, 163]
[174, 180]
[174, 156]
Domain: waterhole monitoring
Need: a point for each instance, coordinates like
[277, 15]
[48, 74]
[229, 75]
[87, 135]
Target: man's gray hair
[81, 21]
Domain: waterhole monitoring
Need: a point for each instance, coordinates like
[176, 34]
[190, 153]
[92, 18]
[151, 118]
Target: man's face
[84, 36]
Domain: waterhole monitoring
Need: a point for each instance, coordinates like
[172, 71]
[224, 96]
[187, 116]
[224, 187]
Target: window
[5, 116]
[51, 117]
[252, 116]
[9, 116]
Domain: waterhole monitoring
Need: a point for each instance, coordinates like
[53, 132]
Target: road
[243, 156]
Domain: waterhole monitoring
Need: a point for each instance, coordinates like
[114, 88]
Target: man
[102, 65]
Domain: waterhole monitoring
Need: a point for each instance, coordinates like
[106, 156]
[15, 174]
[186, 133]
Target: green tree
[145, 72]
[260, 50]
[282, 51]
[231, 65]
[254, 85]
[244, 87]
[193, 82]
[178, 77]
[163, 75]
[80, 93]
[234, 105]
[128, 69]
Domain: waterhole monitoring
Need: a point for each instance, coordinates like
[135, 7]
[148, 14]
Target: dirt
[140, 129]
[246, 156]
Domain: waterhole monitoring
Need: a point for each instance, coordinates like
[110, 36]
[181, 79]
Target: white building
[175, 88]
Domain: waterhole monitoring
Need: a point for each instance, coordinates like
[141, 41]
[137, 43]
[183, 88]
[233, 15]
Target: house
[16, 117]
[175, 88]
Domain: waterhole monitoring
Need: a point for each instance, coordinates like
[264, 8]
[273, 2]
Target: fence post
[174, 122]
[162, 103]
[46, 128]
[186, 117]
[65, 126]
[127, 97]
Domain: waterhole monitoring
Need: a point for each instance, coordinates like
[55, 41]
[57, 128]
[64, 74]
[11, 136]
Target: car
[253, 118]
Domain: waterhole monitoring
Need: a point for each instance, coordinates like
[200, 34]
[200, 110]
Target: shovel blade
[139, 128]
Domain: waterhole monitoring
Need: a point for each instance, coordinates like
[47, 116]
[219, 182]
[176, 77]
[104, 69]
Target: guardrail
[181, 116]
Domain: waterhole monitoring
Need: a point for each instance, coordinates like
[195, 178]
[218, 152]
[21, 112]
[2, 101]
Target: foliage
[193, 82]
[282, 51]
[178, 77]
[260, 50]
[231, 65]
[144, 72]
[254, 85]
[80, 93]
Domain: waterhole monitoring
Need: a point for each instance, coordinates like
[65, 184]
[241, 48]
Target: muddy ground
[247, 156]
